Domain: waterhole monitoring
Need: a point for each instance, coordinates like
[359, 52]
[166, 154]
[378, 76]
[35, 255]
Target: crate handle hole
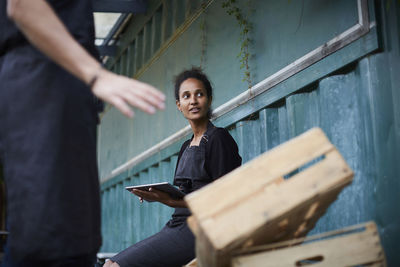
[310, 261]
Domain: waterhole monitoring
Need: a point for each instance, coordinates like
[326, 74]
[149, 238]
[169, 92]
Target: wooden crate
[255, 205]
[192, 263]
[353, 246]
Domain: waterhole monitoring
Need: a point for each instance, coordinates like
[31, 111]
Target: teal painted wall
[353, 95]
[274, 46]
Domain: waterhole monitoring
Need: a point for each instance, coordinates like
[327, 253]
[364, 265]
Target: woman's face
[193, 101]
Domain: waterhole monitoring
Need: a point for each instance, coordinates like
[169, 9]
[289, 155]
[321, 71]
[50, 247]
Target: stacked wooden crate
[352, 246]
[278, 196]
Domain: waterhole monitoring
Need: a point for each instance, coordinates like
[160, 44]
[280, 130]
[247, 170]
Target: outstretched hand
[123, 92]
[42, 27]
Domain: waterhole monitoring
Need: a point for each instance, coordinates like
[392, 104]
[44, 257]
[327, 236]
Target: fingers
[143, 96]
[146, 194]
[136, 192]
[139, 102]
[108, 263]
[149, 195]
[153, 96]
[122, 106]
[154, 191]
[124, 93]
[139, 194]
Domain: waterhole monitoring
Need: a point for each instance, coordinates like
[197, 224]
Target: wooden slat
[156, 31]
[207, 255]
[146, 42]
[258, 172]
[131, 59]
[139, 50]
[348, 250]
[371, 226]
[120, 6]
[192, 224]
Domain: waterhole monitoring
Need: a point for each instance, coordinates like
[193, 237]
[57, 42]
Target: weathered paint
[353, 95]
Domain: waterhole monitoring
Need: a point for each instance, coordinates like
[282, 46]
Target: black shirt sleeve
[222, 154]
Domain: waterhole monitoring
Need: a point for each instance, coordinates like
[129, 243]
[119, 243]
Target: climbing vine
[245, 26]
[203, 36]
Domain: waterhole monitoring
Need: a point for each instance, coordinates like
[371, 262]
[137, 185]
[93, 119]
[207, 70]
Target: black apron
[191, 173]
[174, 245]
[48, 144]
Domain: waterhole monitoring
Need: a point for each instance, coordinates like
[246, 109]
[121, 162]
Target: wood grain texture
[295, 153]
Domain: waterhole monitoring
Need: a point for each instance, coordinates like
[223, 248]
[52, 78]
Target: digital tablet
[164, 187]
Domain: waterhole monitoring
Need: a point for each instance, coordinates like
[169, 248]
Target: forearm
[41, 26]
[174, 203]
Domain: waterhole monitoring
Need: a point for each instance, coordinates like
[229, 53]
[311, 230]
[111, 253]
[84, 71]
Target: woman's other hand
[159, 196]
[152, 195]
[110, 263]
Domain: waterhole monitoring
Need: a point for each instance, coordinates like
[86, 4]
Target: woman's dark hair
[195, 73]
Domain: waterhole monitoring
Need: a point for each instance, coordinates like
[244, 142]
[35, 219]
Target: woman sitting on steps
[208, 155]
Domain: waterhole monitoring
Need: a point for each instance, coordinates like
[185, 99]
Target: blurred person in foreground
[49, 75]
